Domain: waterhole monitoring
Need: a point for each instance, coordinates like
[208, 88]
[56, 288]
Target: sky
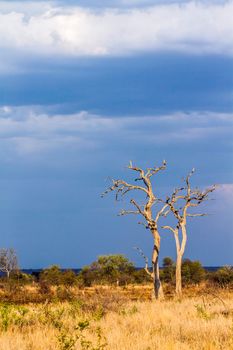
[87, 86]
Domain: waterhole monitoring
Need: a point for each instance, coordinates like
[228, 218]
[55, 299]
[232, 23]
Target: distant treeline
[36, 272]
[118, 270]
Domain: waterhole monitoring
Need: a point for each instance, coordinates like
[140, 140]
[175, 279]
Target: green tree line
[118, 270]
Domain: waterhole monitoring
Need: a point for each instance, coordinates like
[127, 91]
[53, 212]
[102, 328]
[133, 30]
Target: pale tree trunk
[8, 274]
[178, 263]
[178, 274]
[158, 290]
[180, 252]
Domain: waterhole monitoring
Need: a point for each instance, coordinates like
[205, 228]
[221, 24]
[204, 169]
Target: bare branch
[142, 212]
[170, 228]
[146, 261]
[121, 187]
[192, 198]
[170, 202]
[140, 170]
[194, 215]
[8, 260]
[126, 212]
[154, 170]
[188, 180]
[162, 212]
[165, 214]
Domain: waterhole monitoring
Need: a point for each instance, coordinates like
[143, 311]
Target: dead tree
[8, 261]
[121, 188]
[179, 203]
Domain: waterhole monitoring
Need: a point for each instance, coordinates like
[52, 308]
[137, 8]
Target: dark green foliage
[140, 276]
[168, 271]
[22, 278]
[86, 277]
[54, 276]
[168, 262]
[223, 276]
[69, 278]
[108, 269]
[192, 272]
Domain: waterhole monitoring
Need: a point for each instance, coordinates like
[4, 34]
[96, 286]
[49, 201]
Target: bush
[192, 271]
[168, 271]
[140, 276]
[69, 278]
[51, 275]
[108, 269]
[223, 276]
[54, 276]
[22, 278]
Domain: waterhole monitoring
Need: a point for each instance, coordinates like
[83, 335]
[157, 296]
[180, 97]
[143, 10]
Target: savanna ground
[116, 318]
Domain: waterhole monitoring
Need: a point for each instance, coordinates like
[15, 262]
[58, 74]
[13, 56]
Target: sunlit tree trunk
[158, 289]
[180, 249]
[178, 274]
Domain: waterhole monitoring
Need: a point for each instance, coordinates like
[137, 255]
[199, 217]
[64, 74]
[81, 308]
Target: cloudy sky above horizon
[86, 86]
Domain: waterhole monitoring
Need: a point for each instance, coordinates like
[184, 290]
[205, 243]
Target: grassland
[105, 318]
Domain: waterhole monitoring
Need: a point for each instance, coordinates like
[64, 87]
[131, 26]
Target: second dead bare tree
[121, 188]
[181, 200]
[8, 261]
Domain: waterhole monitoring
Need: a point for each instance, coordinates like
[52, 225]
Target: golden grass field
[110, 319]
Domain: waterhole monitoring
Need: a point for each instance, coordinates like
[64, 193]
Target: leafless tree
[150, 217]
[8, 261]
[179, 203]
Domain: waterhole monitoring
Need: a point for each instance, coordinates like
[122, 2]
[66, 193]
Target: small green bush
[168, 271]
[192, 271]
[223, 276]
[108, 269]
[52, 275]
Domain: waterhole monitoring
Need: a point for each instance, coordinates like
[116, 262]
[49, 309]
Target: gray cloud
[29, 130]
[197, 27]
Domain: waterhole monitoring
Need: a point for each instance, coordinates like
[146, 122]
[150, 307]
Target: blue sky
[89, 85]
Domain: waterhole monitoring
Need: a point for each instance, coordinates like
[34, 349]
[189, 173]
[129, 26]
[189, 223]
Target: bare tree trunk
[180, 252]
[8, 274]
[158, 290]
[178, 263]
[178, 274]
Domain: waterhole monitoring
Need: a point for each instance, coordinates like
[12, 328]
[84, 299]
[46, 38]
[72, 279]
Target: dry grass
[203, 323]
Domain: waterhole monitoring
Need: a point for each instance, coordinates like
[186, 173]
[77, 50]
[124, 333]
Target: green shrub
[69, 278]
[140, 276]
[168, 271]
[223, 276]
[192, 272]
[108, 269]
[52, 275]
[12, 315]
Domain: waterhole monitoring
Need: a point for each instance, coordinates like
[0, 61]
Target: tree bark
[178, 274]
[178, 264]
[158, 290]
[180, 252]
